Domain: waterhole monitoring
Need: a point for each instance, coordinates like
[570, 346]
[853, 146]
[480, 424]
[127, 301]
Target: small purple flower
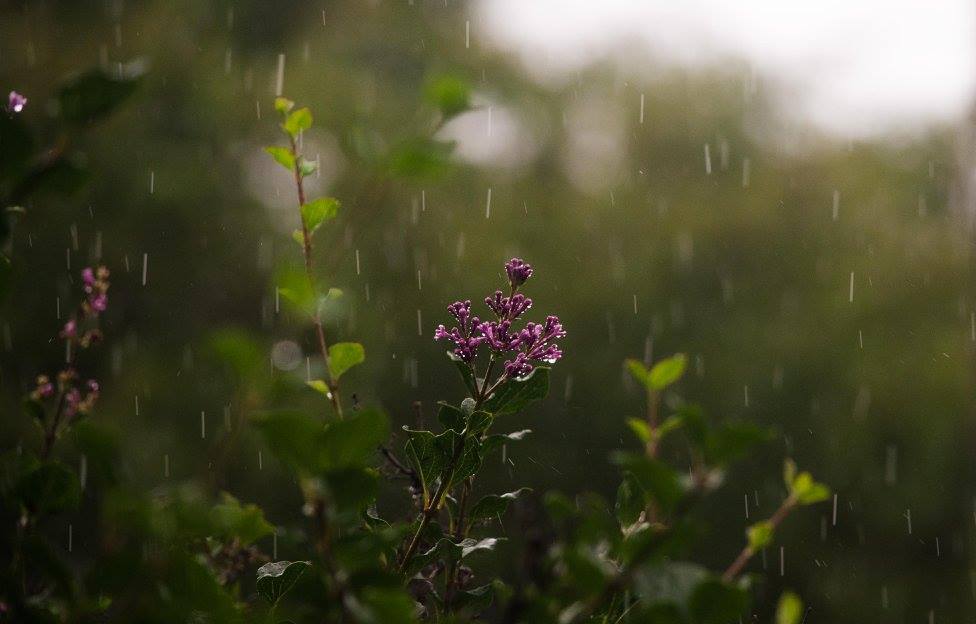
[508, 308]
[99, 302]
[519, 367]
[70, 329]
[88, 277]
[72, 400]
[93, 386]
[498, 336]
[15, 102]
[518, 272]
[465, 344]
[43, 388]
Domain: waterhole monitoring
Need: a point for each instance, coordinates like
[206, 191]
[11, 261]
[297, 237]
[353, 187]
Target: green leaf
[237, 348]
[478, 422]
[760, 535]
[667, 372]
[790, 609]
[789, 473]
[353, 440]
[450, 417]
[343, 356]
[50, 488]
[294, 286]
[515, 394]
[733, 440]
[494, 505]
[466, 374]
[637, 370]
[641, 429]
[319, 386]
[427, 456]
[714, 602]
[307, 167]
[283, 105]
[497, 440]
[318, 211]
[469, 545]
[806, 491]
[101, 448]
[277, 577]
[449, 94]
[656, 478]
[299, 237]
[282, 156]
[298, 121]
[293, 437]
[96, 93]
[246, 522]
[470, 460]
[630, 501]
[474, 600]
[421, 159]
[352, 489]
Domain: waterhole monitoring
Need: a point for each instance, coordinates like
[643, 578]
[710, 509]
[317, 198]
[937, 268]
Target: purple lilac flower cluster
[535, 342]
[75, 398]
[15, 102]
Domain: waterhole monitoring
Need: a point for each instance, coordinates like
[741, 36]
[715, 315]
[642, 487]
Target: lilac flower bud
[519, 367]
[518, 271]
[15, 102]
[509, 308]
[99, 302]
[70, 329]
[72, 399]
[88, 277]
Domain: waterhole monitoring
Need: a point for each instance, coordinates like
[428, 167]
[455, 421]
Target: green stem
[307, 254]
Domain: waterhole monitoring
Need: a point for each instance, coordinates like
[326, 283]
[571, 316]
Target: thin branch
[747, 552]
[307, 253]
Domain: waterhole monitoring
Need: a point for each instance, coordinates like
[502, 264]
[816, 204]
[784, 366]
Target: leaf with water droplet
[276, 578]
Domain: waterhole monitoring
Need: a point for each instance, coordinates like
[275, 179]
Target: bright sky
[855, 67]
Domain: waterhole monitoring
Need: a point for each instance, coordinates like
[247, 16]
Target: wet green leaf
[245, 522]
[96, 93]
[789, 610]
[298, 121]
[50, 488]
[715, 602]
[466, 375]
[667, 371]
[494, 505]
[276, 578]
[319, 211]
[656, 478]
[760, 535]
[353, 440]
[343, 356]
[449, 94]
[282, 156]
[283, 105]
[515, 394]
